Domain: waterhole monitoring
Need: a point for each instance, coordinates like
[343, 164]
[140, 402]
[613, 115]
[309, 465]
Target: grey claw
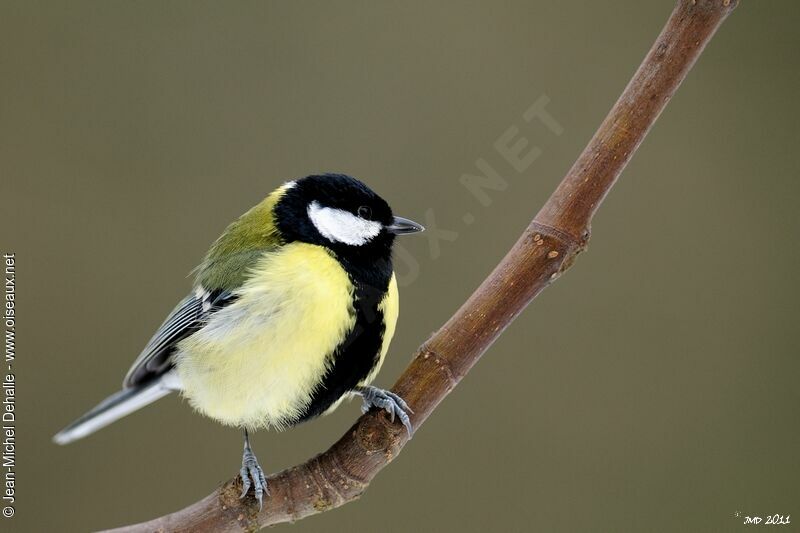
[252, 470]
[399, 401]
[389, 402]
[245, 482]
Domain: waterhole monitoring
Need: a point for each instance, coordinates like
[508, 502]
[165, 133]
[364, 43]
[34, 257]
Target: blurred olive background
[653, 388]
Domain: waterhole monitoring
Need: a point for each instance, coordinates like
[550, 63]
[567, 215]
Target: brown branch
[546, 249]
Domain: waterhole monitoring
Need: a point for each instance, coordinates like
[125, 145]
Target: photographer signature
[773, 520]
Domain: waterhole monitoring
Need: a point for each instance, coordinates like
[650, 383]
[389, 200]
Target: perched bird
[292, 310]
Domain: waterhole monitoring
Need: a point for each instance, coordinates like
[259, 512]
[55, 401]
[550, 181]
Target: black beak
[402, 226]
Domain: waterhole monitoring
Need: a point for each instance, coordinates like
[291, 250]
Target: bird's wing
[187, 317]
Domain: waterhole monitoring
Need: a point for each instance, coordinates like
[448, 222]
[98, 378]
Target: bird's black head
[342, 214]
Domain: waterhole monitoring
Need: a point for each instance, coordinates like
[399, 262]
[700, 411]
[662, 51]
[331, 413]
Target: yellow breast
[257, 362]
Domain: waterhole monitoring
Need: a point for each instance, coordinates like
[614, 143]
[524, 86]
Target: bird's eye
[365, 212]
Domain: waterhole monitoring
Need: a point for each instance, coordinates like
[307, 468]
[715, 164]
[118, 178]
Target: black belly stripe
[355, 358]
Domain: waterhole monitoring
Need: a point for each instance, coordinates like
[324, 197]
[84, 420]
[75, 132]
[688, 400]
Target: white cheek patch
[338, 225]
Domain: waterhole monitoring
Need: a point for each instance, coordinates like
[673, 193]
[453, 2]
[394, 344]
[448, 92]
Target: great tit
[293, 309]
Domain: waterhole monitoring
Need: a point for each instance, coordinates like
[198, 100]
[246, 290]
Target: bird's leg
[251, 469]
[386, 400]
